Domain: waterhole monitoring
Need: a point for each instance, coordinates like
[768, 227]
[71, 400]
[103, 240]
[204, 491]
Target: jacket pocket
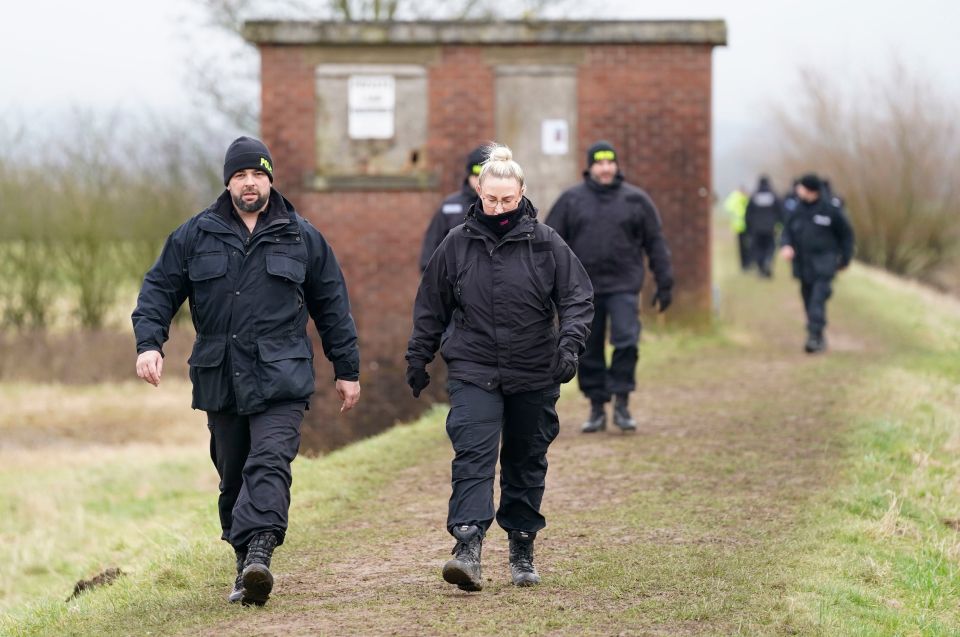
[207, 352]
[287, 267]
[206, 273]
[210, 265]
[824, 264]
[285, 368]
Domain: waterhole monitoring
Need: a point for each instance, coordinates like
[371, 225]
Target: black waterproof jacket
[821, 237]
[764, 211]
[449, 215]
[610, 228]
[503, 298]
[249, 299]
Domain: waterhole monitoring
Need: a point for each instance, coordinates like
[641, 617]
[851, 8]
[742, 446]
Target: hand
[349, 392]
[150, 366]
[788, 253]
[663, 297]
[566, 366]
[418, 379]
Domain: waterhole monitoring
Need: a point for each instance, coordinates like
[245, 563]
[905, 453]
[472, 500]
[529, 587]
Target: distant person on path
[610, 225]
[518, 301]
[818, 239]
[254, 271]
[763, 214]
[736, 206]
[453, 209]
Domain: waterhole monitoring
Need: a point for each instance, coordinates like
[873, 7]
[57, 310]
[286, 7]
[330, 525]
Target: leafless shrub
[890, 148]
[88, 212]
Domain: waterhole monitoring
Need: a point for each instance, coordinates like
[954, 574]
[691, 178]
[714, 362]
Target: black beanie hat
[475, 160]
[600, 150]
[246, 152]
[810, 181]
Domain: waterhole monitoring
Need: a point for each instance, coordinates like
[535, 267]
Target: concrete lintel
[712, 32]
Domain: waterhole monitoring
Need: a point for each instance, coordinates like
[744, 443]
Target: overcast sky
[109, 54]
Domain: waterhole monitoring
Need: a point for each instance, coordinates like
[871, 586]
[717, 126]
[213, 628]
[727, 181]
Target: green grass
[164, 537]
[885, 562]
[778, 494]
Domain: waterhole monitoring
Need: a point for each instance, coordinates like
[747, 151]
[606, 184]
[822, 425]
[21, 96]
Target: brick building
[369, 125]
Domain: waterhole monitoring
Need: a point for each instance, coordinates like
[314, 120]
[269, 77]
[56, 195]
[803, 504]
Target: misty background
[114, 116]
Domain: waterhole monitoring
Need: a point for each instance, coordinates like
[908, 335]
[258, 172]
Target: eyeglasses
[497, 205]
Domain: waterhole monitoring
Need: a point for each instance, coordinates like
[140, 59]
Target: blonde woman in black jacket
[519, 305]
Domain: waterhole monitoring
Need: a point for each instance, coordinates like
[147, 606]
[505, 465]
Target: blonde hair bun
[500, 153]
[500, 163]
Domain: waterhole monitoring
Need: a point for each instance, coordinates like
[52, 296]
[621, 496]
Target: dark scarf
[504, 222]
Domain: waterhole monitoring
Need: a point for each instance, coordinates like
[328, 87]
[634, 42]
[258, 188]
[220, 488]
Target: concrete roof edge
[333, 33]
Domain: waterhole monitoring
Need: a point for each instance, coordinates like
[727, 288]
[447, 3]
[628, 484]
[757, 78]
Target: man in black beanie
[453, 209]
[610, 225]
[253, 271]
[818, 239]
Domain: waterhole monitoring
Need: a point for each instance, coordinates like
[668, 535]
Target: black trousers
[478, 419]
[597, 381]
[815, 294]
[762, 247]
[743, 245]
[252, 455]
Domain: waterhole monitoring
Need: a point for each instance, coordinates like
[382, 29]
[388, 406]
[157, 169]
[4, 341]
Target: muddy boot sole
[526, 579]
[455, 572]
[257, 585]
[235, 596]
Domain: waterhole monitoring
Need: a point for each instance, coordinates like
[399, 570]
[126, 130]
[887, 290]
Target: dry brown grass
[40, 416]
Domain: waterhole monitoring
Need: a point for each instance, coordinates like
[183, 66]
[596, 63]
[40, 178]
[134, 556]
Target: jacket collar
[524, 227]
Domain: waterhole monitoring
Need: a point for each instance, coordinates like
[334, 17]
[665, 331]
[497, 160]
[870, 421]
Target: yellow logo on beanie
[600, 155]
[477, 168]
[266, 164]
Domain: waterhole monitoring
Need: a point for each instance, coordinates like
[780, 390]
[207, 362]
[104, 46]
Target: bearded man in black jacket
[610, 225]
[253, 271]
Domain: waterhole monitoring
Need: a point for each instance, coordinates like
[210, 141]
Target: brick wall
[651, 101]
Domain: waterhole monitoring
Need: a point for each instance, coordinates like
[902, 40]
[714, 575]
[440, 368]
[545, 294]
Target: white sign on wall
[555, 137]
[371, 100]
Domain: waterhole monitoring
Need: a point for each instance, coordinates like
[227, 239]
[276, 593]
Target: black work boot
[522, 570]
[815, 343]
[464, 569]
[597, 420]
[256, 578]
[621, 415]
[237, 593]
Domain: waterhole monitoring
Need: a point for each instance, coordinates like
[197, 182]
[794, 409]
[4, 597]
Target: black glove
[566, 366]
[663, 298]
[418, 379]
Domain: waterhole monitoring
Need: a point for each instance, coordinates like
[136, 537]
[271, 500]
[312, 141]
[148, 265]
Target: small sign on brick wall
[555, 137]
[372, 103]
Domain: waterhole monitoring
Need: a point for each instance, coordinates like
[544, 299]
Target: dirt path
[683, 528]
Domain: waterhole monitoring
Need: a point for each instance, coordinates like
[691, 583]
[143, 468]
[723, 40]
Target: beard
[253, 206]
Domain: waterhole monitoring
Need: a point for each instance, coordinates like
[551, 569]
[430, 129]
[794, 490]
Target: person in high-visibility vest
[736, 206]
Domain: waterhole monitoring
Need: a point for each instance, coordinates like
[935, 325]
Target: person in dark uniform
[253, 271]
[763, 214]
[789, 202]
[610, 225]
[453, 209]
[818, 239]
[517, 303]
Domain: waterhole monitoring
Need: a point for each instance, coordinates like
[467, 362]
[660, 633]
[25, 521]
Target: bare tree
[890, 147]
